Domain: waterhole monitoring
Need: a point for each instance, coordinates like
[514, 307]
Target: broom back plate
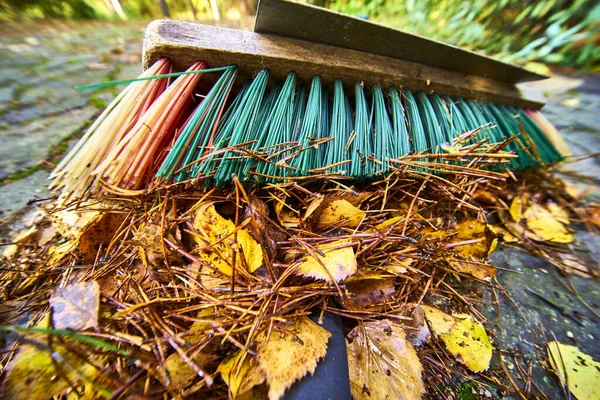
[185, 43]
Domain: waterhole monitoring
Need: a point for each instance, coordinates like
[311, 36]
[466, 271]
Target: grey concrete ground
[41, 114]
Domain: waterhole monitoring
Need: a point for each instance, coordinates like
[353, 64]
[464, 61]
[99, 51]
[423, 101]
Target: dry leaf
[70, 222]
[371, 290]
[76, 306]
[517, 207]
[241, 373]
[593, 215]
[34, 372]
[58, 251]
[499, 230]
[180, 373]
[217, 242]
[313, 206]
[98, 233]
[464, 337]
[545, 226]
[473, 230]
[479, 270]
[89, 228]
[382, 363]
[287, 357]
[582, 371]
[286, 216]
[386, 225]
[559, 213]
[27, 236]
[474, 253]
[571, 264]
[340, 213]
[340, 262]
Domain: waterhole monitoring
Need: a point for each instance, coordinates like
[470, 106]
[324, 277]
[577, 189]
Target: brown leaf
[370, 290]
[98, 233]
[76, 306]
[261, 227]
[287, 357]
[382, 363]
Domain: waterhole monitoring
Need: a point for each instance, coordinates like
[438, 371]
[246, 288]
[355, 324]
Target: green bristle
[341, 128]
[545, 147]
[469, 117]
[195, 136]
[511, 128]
[399, 122]
[299, 110]
[269, 135]
[235, 133]
[278, 131]
[258, 130]
[415, 126]
[457, 119]
[311, 127]
[317, 162]
[435, 136]
[362, 147]
[494, 131]
[488, 130]
[384, 144]
[444, 118]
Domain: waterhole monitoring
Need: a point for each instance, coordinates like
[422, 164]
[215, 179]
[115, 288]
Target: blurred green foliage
[553, 31]
[133, 9]
[523, 31]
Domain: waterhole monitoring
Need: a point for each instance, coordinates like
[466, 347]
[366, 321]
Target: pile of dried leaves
[208, 293]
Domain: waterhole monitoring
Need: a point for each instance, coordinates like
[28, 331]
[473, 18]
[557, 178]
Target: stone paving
[41, 114]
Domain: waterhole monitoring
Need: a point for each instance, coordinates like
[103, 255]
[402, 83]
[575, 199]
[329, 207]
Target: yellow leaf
[517, 207]
[397, 266]
[439, 322]
[58, 251]
[385, 225]
[382, 363]
[287, 357]
[464, 337]
[218, 239]
[479, 270]
[504, 233]
[285, 215]
[559, 213]
[473, 253]
[473, 230]
[71, 222]
[340, 262]
[582, 371]
[241, 373]
[340, 213]
[545, 226]
[180, 373]
[27, 236]
[312, 207]
[37, 372]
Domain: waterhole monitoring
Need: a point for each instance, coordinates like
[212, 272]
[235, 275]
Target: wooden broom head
[185, 43]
